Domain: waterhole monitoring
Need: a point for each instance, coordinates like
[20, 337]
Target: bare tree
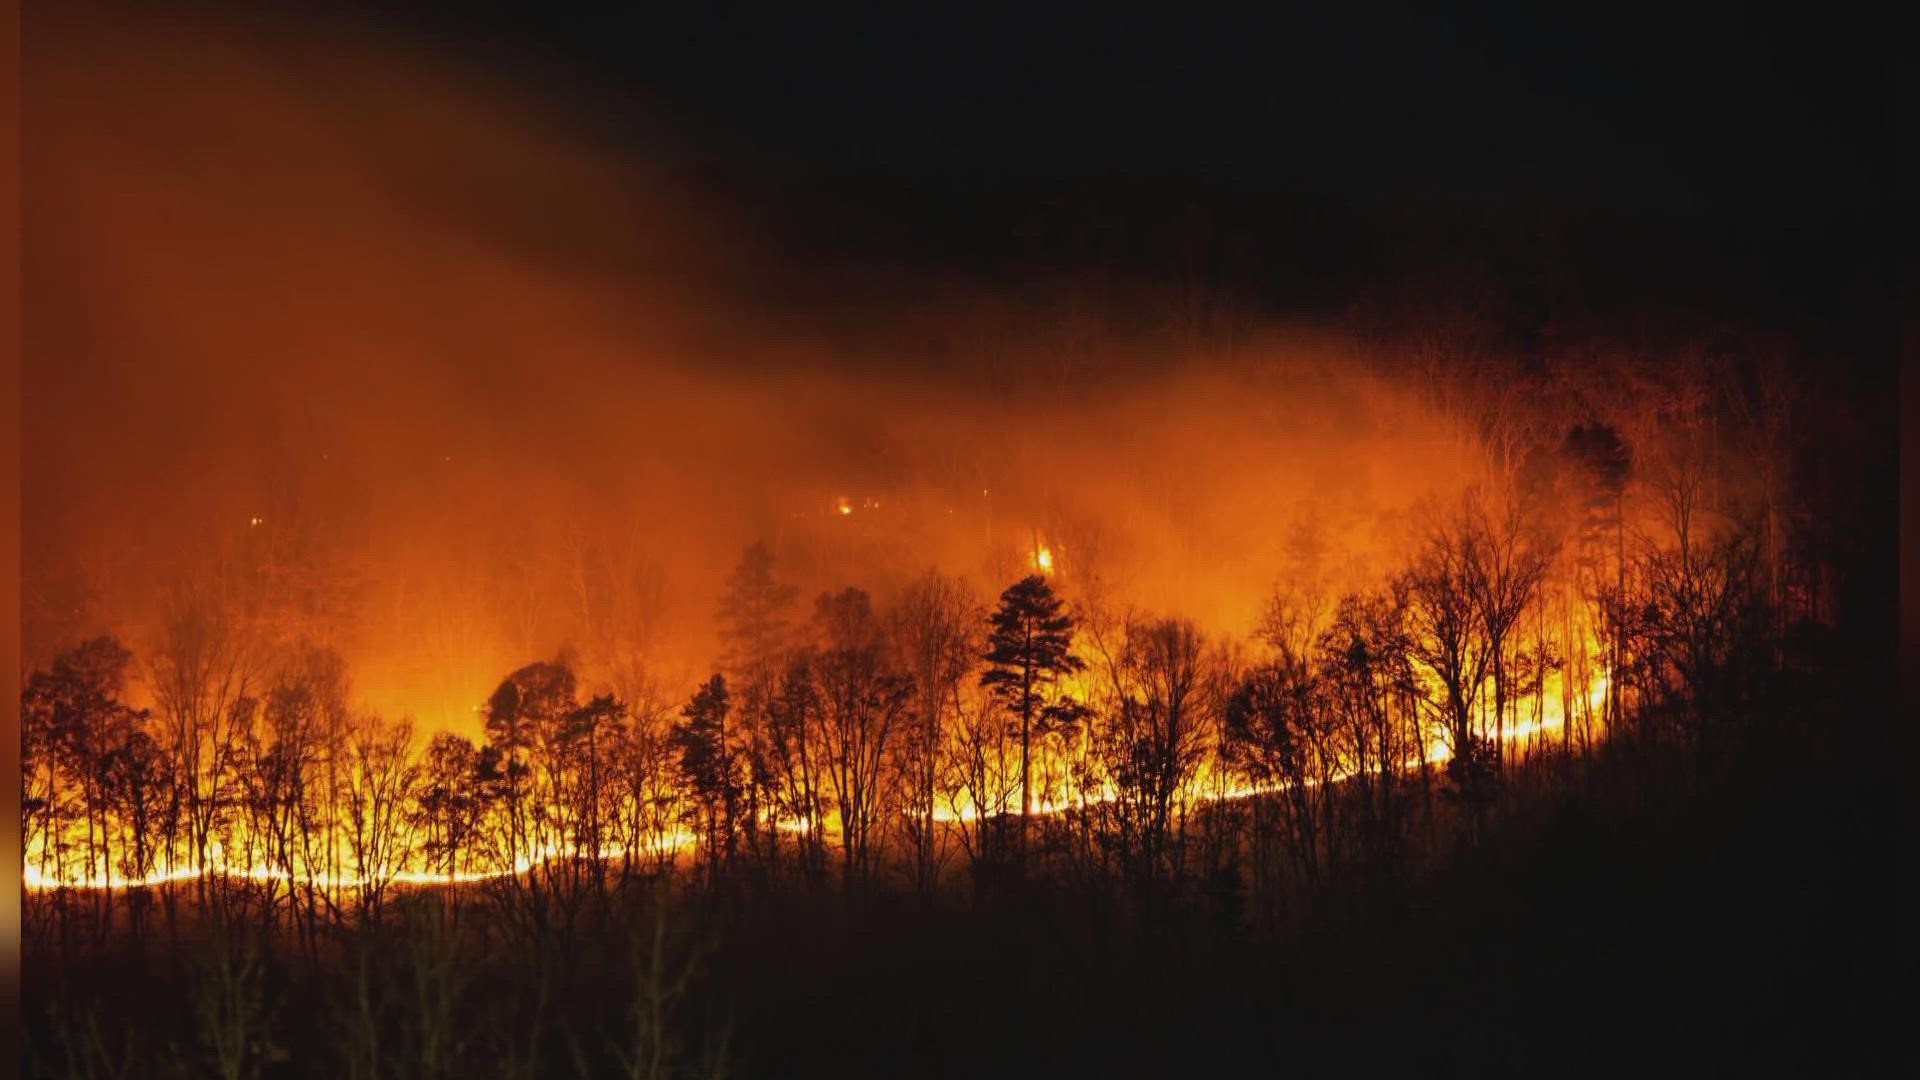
[1151, 738]
[933, 635]
[796, 773]
[200, 671]
[1506, 562]
[981, 778]
[380, 784]
[294, 756]
[861, 701]
[754, 633]
[585, 789]
[74, 730]
[1281, 736]
[1450, 642]
[1366, 672]
[649, 808]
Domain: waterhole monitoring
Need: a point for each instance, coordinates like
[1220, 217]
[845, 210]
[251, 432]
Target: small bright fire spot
[255, 521]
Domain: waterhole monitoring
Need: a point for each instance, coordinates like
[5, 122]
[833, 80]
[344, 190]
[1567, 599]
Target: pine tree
[753, 620]
[707, 764]
[1028, 650]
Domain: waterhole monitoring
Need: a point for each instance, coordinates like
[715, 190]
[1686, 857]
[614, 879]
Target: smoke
[466, 386]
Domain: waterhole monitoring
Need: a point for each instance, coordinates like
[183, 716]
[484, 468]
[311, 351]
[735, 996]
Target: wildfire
[333, 881]
[1043, 560]
[1212, 785]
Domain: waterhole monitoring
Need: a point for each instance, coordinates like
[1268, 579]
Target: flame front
[53, 861]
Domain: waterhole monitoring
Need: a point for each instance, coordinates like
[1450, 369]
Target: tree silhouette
[933, 630]
[1368, 676]
[1029, 649]
[450, 800]
[585, 747]
[1451, 642]
[1152, 736]
[74, 729]
[861, 701]
[1508, 563]
[753, 615]
[754, 632]
[380, 774]
[708, 766]
[796, 774]
[200, 674]
[523, 720]
[1280, 735]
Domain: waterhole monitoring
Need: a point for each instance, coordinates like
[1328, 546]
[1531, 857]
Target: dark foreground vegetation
[1647, 910]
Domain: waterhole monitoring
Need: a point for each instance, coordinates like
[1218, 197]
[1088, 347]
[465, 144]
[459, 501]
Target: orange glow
[44, 871]
[474, 511]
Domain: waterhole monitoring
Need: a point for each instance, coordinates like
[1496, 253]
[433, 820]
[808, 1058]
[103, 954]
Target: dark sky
[1323, 153]
[1303, 162]
[1701, 113]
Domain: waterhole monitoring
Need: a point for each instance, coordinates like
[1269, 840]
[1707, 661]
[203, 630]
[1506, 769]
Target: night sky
[1689, 115]
[1707, 157]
